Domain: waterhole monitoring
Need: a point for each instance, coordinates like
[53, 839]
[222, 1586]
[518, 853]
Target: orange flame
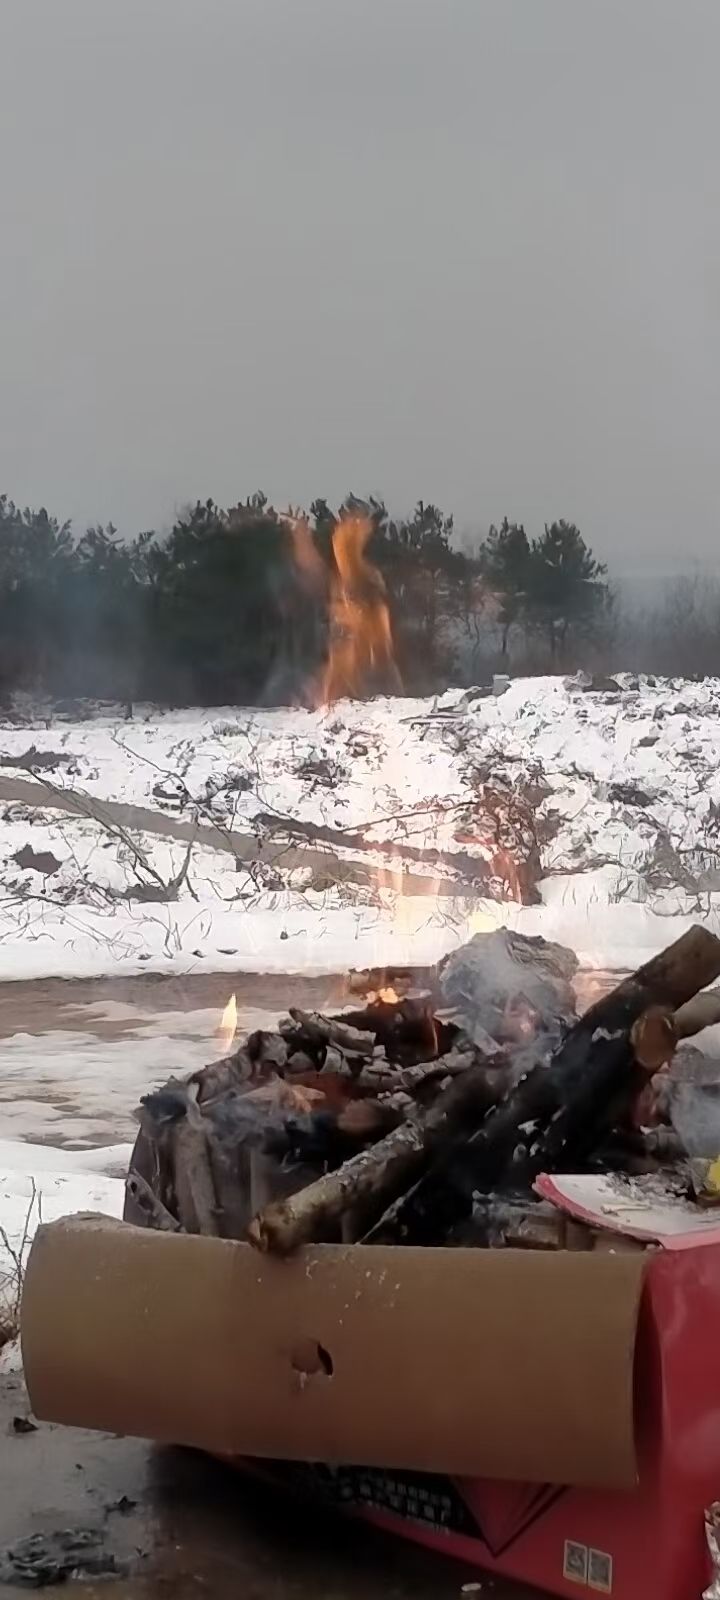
[361, 644]
[388, 996]
[228, 1025]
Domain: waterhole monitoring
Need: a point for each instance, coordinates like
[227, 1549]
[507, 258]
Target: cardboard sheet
[508, 1364]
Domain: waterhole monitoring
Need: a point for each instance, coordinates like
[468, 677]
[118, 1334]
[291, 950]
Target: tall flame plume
[361, 656]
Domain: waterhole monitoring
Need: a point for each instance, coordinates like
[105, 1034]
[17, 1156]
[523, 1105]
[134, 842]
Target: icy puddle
[75, 1057]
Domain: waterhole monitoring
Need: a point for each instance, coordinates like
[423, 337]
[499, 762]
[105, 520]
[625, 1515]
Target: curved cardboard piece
[505, 1364]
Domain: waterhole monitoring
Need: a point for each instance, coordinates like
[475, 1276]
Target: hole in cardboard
[310, 1357]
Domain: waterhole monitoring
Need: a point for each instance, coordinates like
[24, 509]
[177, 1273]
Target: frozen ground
[615, 795]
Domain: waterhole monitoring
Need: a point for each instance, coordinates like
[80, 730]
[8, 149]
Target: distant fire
[228, 1025]
[361, 645]
[361, 654]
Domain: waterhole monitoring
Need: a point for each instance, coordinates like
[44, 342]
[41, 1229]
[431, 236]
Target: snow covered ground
[622, 789]
[39, 1184]
[67, 1098]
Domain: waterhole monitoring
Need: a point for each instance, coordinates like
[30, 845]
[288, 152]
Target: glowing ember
[228, 1025]
[361, 645]
[388, 997]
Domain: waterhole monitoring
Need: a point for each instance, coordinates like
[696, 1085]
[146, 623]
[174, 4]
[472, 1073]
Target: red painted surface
[653, 1535]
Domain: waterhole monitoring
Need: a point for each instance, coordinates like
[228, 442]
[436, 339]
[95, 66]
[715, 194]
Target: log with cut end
[557, 1114]
[365, 1185]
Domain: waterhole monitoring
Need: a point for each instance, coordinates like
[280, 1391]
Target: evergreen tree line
[232, 606]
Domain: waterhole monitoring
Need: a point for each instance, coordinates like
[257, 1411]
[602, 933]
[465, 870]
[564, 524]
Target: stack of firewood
[424, 1116]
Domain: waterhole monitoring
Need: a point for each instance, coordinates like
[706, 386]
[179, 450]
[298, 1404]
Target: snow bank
[38, 1184]
[625, 790]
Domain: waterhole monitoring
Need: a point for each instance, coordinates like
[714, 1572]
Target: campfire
[427, 1109]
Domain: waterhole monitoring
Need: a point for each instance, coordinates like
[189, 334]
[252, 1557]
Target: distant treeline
[232, 606]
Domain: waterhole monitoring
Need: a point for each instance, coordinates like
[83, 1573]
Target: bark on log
[555, 1115]
[368, 1182]
[701, 1012]
[332, 1030]
[194, 1186]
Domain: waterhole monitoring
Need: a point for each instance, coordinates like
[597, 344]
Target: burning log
[369, 1182]
[313, 1029]
[366, 981]
[388, 1124]
[556, 1114]
[210, 1149]
[407, 1029]
[326, 1138]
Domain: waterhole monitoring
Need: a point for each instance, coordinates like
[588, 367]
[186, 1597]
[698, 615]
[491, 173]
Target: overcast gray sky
[463, 250]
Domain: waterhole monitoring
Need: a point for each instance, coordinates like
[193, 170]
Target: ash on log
[370, 1181]
[556, 1114]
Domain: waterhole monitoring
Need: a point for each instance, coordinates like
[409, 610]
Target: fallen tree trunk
[474, 869]
[556, 1114]
[363, 1186]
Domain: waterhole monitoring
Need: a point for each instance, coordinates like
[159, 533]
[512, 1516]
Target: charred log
[367, 1184]
[551, 1119]
[407, 1029]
